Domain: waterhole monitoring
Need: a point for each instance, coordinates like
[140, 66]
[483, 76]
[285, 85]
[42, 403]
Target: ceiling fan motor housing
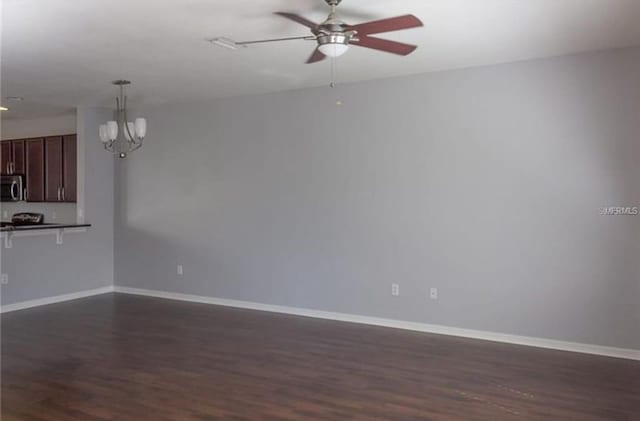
[333, 38]
[332, 31]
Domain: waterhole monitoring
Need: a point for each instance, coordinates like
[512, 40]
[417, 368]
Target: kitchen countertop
[42, 227]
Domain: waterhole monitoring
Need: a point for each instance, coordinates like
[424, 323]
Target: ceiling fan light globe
[333, 50]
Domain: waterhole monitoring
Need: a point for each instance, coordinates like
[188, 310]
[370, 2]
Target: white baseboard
[56, 299]
[398, 324]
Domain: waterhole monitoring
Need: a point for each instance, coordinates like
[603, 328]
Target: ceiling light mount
[121, 136]
[223, 42]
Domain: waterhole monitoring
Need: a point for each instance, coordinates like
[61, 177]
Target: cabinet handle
[8, 167]
[58, 194]
[64, 199]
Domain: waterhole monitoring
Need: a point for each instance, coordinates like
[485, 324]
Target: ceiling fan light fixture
[333, 45]
[334, 37]
[334, 49]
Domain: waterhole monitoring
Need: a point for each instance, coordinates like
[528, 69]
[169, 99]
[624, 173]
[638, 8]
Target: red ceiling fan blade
[385, 45]
[386, 25]
[316, 57]
[299, 19]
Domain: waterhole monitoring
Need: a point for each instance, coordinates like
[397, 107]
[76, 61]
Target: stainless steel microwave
[12, 187]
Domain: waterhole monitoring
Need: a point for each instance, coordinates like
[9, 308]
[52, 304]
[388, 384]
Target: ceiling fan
[334, 36]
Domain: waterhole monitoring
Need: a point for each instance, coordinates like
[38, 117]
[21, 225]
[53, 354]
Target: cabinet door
[53, 169]
[69, 168]
[5, 157]
[18, 157]
[35, 169]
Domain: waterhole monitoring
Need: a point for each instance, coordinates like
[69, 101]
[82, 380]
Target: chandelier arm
[131, 138]
[137, 146]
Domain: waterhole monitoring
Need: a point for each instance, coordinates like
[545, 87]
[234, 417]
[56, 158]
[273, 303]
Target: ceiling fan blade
[393, 47]
[386, 25]
[316, 56]
[299, 19]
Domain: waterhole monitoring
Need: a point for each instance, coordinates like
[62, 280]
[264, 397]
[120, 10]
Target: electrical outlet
[395, 290]
[180, 271]
[5, 215]
[4, 279]
[54, 216]
[433, 294]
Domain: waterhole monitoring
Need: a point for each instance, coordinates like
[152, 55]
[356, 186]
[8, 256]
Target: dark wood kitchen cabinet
[50, 166]
[53, 169]
[69, 168]
[60, 168]
[13, 157]
[34, 164]
[5, 157]
[18, 157]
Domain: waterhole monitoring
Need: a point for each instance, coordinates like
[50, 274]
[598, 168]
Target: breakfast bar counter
[8, 227]
[9, 231]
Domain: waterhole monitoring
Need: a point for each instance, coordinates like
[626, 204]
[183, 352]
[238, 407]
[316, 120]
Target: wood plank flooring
[120, 357]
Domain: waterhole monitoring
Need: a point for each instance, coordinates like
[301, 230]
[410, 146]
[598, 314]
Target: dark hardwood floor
[120, 357]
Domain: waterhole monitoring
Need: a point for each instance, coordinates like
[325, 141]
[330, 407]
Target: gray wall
[39, 268]
[485, 183]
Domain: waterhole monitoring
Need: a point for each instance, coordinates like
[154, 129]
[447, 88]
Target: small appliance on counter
[11, 187]
[27, 218]
[24, 219]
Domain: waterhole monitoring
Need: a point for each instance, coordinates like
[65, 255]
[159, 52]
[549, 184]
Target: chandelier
[131, 133]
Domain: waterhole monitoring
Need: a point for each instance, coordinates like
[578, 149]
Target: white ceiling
[64, 53]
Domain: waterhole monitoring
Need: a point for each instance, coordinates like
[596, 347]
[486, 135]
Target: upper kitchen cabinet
[5, 157]
[34, 170]
[60, 168]
[53, 169]
[18, 156]
[13, 157]
[49, 166]
[69, 168]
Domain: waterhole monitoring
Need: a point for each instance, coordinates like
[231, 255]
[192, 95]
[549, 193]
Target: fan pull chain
[332, 84]
[333, 80]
